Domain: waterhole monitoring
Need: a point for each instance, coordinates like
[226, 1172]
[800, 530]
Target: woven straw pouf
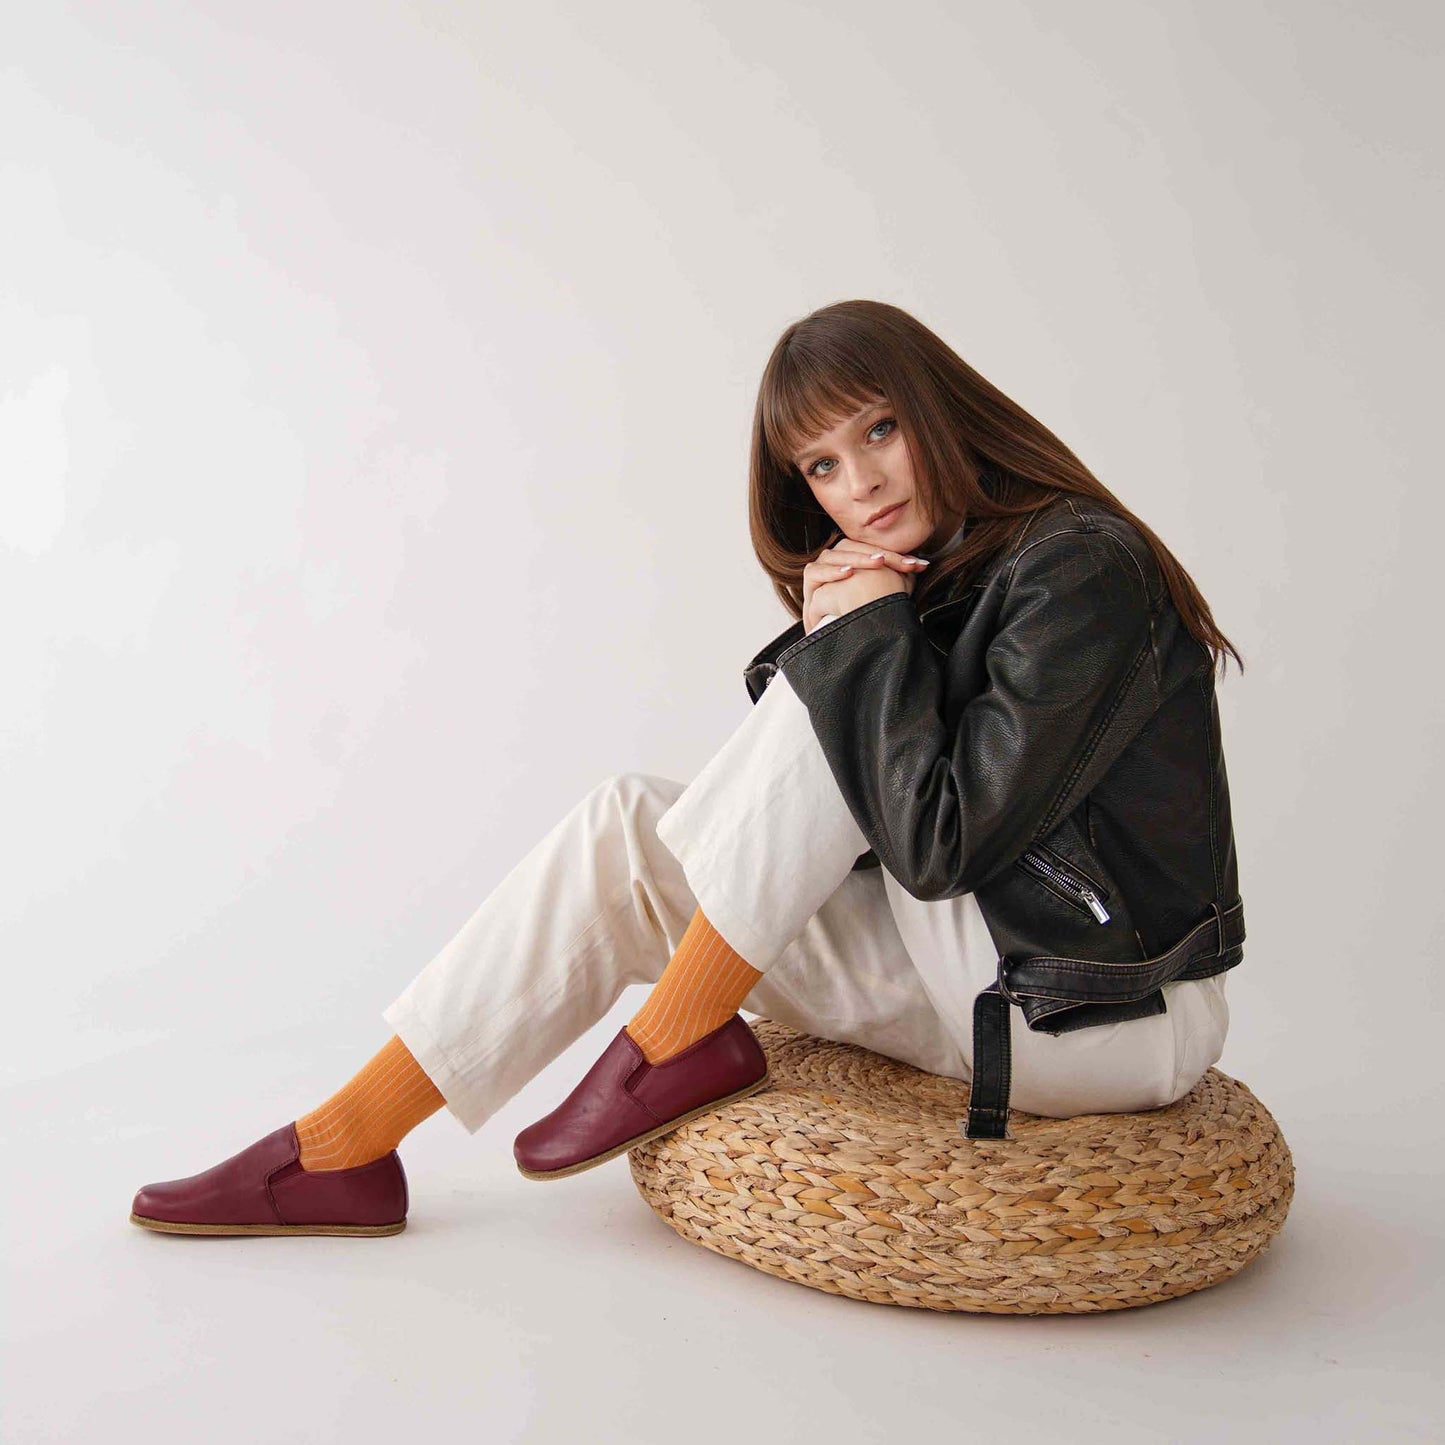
[850, 1174]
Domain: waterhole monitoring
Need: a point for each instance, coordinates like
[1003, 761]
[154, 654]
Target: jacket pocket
[1070, 883]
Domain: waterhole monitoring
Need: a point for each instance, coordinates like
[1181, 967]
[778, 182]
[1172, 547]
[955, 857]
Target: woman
[983, 771]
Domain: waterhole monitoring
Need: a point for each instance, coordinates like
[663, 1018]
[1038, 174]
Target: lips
[878, 516]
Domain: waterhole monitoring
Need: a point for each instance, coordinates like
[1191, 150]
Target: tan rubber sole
[666, 1128]
[166, 1226]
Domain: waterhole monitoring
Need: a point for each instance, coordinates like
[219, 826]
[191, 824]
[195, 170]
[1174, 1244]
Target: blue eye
[882, 421]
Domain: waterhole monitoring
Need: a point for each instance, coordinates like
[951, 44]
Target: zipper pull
[1095, 907]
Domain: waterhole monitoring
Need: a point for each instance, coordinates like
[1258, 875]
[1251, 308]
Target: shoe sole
[666, 1128]
[170, 1226]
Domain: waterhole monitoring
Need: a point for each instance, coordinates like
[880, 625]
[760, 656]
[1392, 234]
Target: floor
[513, 1310]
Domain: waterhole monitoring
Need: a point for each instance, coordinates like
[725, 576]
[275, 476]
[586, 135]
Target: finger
[836, 558]
[904, 562]
[898, 559]
[818, 573]
[882, 557]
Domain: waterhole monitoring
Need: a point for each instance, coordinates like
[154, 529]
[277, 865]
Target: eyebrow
[857, 417]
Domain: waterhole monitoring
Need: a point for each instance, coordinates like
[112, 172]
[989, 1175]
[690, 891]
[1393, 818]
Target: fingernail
[874, 556]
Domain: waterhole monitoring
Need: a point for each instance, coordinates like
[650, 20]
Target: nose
[867, 482]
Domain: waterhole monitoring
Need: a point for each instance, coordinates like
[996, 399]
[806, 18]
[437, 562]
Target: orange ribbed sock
[370, 1115]
[700, 990]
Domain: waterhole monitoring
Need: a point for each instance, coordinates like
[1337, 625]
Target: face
[862, 466]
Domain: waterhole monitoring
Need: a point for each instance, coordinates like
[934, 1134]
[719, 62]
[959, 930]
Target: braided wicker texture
[850, 1174]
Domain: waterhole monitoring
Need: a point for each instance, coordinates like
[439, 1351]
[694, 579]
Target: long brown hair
[975, 452]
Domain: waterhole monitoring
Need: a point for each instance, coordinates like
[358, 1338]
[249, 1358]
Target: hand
[846, 575]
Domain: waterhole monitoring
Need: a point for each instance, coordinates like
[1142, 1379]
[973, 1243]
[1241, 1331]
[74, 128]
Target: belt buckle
[1003, 987]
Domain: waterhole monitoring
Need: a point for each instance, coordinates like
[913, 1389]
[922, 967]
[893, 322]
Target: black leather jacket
[1047, 739]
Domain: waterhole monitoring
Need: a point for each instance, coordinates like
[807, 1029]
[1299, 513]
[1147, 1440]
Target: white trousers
[763, 842]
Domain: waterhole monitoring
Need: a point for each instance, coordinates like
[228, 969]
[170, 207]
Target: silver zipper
[1081, 891]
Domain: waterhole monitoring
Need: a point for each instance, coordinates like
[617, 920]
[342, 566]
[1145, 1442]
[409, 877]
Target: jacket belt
[1058, 995]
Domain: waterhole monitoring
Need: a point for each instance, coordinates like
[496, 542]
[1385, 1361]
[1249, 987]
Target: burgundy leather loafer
[264, 1190]
[622, 1100]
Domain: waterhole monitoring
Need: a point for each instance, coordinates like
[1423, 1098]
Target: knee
[617, 788]
[636, 794]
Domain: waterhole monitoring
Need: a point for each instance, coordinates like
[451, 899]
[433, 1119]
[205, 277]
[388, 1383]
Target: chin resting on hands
[846, 575]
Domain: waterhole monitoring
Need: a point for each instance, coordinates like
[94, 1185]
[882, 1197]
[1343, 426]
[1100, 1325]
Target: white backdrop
[376, 391]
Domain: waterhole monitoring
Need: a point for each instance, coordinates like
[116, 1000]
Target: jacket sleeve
[1069, 680]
